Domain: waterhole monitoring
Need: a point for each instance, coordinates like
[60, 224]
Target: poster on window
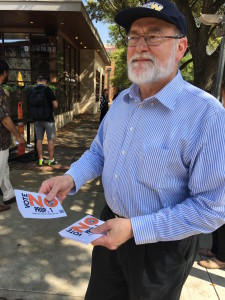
[36, 206]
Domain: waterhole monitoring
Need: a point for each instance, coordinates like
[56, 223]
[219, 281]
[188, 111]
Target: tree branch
[211, 30]
[193, 4]
[217, 5]
[112, 5]
[184, 65]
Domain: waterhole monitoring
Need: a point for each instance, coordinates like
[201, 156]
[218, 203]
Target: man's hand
[117, 232]
[21, 141]
[58, 186]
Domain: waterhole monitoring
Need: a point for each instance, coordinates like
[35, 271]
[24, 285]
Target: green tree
[200, 65]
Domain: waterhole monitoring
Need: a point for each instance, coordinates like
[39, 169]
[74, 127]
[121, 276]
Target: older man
[160, 153]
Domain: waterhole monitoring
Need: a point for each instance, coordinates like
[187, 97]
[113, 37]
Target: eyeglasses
[150, 39]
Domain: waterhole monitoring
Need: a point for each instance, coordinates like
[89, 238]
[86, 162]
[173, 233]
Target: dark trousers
[141, 272]
[218, 246]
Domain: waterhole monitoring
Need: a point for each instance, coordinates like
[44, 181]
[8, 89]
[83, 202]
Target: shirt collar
[167, 96]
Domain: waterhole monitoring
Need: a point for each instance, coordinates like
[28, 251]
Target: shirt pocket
[153, 164]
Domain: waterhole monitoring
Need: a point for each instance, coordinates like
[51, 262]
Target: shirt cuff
[78, 180]
[143, 230]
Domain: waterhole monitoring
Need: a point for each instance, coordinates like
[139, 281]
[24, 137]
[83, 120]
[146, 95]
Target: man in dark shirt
[6, 127]
[104, 104]
[47, 126]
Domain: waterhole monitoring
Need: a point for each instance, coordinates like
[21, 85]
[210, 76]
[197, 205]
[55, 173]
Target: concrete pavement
[37, 264]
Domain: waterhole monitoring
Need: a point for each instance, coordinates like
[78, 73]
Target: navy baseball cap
[160, 9]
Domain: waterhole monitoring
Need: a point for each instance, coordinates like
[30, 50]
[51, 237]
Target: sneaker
[52, 162]
[40, 162]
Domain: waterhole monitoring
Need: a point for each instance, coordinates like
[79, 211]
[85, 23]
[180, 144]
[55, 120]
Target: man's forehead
[151, 24]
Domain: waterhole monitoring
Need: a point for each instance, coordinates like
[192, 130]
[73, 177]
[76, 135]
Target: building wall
[90, 88]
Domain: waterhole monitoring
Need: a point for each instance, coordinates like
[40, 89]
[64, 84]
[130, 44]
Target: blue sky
[102, 29]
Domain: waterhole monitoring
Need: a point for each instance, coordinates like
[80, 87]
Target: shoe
[52, 162]
[212, 263]
[6, 202]
[4, 207]
[40, 162]
[206, 252]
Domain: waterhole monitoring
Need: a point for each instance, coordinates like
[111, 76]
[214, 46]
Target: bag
[38, 106]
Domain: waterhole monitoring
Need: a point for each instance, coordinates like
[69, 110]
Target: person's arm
[8, 123]
[89, 166]
[55, 104]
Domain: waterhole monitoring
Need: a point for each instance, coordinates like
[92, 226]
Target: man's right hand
[58, 186]
[21, 141]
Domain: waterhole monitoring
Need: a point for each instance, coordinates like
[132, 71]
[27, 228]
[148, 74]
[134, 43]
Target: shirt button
[152, 103]
[131, 129]
[123, 152]
[114, 199]
[115, 176]
[140, 106]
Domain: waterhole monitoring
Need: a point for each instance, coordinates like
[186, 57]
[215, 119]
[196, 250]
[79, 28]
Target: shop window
[77, 75]
[17, 55]
[60, 59]
[42, 53]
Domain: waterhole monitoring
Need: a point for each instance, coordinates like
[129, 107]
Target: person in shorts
[47, 126]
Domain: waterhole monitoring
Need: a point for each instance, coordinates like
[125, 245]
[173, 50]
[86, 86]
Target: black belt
[115, 215]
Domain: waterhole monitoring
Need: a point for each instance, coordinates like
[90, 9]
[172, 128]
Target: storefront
[58, 40]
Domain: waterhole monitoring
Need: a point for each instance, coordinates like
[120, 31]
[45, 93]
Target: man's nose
[142, 44]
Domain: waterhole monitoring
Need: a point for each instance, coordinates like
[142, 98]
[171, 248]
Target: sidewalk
[37, 264]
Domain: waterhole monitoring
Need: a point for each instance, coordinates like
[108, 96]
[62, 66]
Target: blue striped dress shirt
[162, 161]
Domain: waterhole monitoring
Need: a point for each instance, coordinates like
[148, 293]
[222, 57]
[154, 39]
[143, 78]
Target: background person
[223, 92]
[6, 128]
[104, 104]
[43, 123]
[158, 150]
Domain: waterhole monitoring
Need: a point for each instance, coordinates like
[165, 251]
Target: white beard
[149, 71]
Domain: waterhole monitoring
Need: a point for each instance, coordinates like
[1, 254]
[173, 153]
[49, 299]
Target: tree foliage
[200, 65]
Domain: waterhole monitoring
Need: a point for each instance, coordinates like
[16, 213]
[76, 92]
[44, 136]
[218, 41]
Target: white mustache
[135, 57]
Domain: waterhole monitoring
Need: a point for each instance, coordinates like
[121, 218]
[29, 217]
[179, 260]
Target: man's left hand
[117, 232]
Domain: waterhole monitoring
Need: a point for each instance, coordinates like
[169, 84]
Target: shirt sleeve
[90, 165]
[50, 94]
[4, 110]
[204, 210]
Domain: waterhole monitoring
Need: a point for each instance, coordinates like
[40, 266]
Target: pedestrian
[117, 93]
[223, 92]
[6, 128]
[41, 103]
[158, 151]
[216, 255]
[104, 104]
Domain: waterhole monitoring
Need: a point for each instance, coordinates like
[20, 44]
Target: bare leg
[51, 149]
[39, 149]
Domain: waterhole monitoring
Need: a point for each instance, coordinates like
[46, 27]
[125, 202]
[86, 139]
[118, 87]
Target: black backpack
[37, 105]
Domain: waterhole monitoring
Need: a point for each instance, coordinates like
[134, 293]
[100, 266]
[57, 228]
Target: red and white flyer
[36, 206]
[81, 230]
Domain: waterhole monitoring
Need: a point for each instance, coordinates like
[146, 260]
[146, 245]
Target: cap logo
[153, 5]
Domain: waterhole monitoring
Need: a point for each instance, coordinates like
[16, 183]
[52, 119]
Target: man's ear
[181, 48]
